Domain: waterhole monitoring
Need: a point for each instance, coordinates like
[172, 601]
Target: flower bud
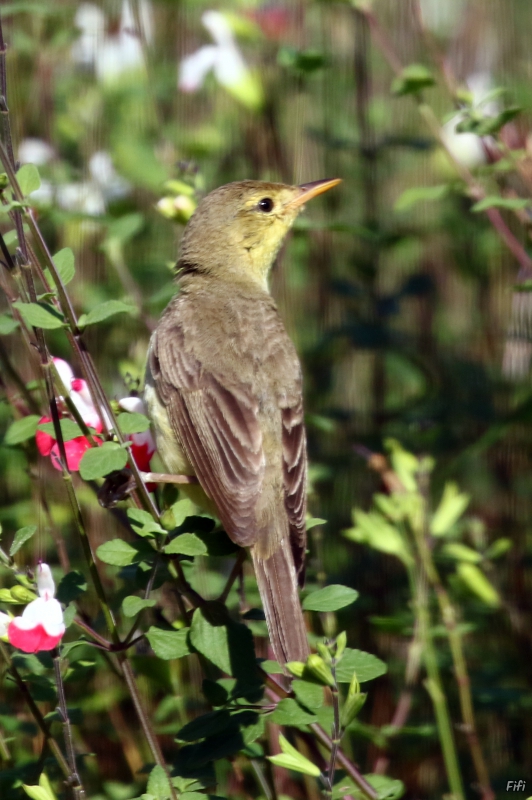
[324, 652]
[319, 670]
[296, 668]
[341, 641]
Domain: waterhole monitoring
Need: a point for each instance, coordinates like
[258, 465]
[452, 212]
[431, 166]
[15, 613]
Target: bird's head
[237, 230]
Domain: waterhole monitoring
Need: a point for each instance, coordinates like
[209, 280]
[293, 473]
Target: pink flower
[41, 625]
[142, 444]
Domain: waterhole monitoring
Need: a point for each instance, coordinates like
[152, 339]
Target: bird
[223, 390]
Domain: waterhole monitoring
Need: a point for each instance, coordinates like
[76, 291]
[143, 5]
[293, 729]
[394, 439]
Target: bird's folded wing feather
[218, 428]
[295, 480]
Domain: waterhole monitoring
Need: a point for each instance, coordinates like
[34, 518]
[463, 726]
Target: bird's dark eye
[266, 204]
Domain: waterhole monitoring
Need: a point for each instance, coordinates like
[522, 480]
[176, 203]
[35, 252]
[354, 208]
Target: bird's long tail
[277, 580]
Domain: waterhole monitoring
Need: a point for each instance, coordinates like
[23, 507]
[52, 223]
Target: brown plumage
[224, 391]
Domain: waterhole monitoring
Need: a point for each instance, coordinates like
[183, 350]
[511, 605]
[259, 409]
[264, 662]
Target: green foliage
[227, 644]
[131, 422]
[104, 311]
[21, 430]
[420, 194]
[398, 320]
[65, 266]
[100, 461]
[169, 644]
[7, 325]
[121, 554]
[40, 315]
[187, 544]
[412, 80]
[69, 429]
[21, 536]
[330, 598]
[28, 179]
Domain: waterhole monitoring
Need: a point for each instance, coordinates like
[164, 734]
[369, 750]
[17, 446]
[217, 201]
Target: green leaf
[452, 505]
[412, 79]
[405, 464]
[29, 179]
[307, 693]
[7, 325]
[420, 194]
[206, 725]
[169, 644]
[158, 783]
[43, 791]
[71, 586]
[104, 311]
[40, 315]
[187, 544]
[292, 759]
[289, 712]
[64, 264]
[100, 461]
[120, 554]
[366, 666]
[143, 523]
[183, 509]
[133, 605]
[330, 598]
[461, 552]
[125, 228]
[386, 788]
[226, 643]
[372, 529]
[314, 522]
[131, 422]
[69, 429]
[21, 430]
[498, 548]
[21, 536]
[476, 581]
[215, 693]
[494, 201]
[475, 122]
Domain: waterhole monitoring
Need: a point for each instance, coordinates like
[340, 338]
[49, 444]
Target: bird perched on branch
[223, 390]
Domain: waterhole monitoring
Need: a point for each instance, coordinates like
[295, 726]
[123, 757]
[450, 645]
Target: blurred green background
[403, 312]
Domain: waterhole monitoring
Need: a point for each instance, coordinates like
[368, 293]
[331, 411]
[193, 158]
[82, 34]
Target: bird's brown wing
[217, 427]
[295, 480]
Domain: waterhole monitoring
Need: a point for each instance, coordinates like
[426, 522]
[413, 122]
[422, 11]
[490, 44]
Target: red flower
[74, 450]
[44, 441]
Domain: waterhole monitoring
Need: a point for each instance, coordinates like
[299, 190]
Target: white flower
[35, 151]
[224, 59]
[41, 626]
[467, 148]
[104, 175]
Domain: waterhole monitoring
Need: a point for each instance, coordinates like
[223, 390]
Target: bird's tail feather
[278, 587]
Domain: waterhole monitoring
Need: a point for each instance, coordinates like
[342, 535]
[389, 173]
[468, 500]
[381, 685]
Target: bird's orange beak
[310, 190]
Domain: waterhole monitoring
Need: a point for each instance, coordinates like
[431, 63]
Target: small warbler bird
[223, 390]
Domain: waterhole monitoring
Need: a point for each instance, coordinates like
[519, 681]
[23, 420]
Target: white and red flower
[41, 626]
[142, 444]
[75, 448]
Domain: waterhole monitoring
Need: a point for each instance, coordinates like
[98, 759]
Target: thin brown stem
[74, 779]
